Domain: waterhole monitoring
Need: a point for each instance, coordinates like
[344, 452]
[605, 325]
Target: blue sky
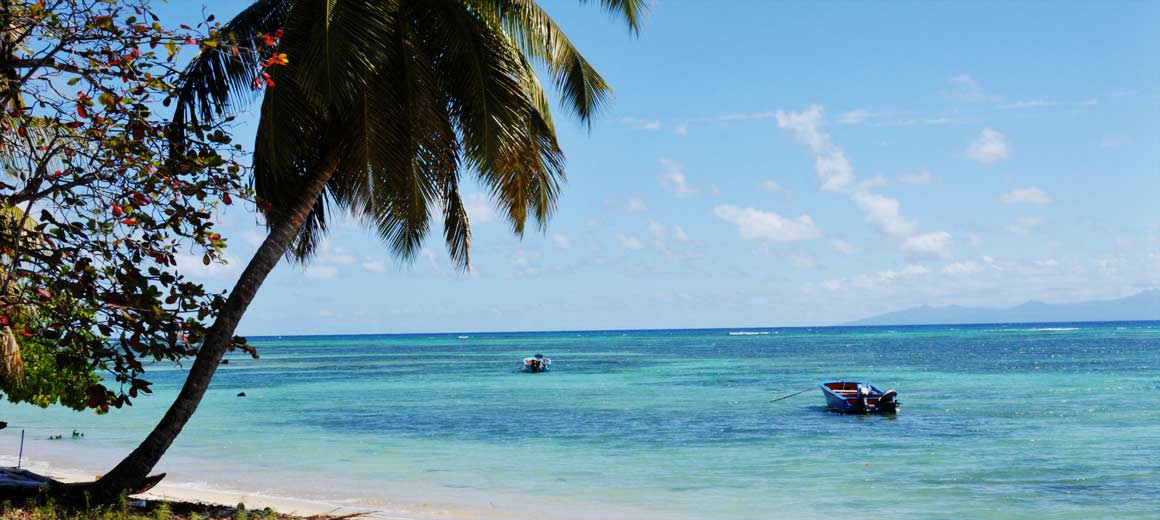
[778, 163]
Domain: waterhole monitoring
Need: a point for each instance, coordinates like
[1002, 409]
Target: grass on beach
[149, 510]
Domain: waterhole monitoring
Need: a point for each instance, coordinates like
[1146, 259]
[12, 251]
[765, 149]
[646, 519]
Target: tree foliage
[98, 205]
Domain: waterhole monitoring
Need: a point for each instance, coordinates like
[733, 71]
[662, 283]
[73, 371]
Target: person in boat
[536, 364]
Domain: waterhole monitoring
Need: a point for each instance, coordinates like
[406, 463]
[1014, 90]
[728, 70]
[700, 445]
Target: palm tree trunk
[131, 472]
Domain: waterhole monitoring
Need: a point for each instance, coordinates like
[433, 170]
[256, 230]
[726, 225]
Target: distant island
[1139, 307]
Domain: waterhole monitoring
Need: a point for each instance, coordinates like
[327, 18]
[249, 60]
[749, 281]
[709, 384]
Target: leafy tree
[383, 106]
[97, 204]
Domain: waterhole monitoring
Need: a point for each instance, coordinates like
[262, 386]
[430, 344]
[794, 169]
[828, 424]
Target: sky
[787, 164]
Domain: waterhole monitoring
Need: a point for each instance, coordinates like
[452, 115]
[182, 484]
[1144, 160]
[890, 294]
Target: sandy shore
[183, 492]
[463, 504]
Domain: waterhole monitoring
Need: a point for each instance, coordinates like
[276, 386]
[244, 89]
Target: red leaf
[44, 293]
[129, 221]
[118, 211]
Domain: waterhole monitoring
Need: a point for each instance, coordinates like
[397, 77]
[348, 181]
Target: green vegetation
[96, 202]
[149, 511]
[51, 377]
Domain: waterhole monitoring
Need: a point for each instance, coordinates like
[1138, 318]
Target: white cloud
[1047, 262]
[929, 121]
[875, 280]
[803, 261]
[1108, 266]
[629, 242]
[831, 165]
[375, 266]
[833, 285]
[975, 239]
[679, 233]
[681, 129]
[252, 238]
[844, 247]
[674, 180]
[834, 169]
[754, 224]
[936, 244]
[561, 241]
[656, 228]
[1028, 195]
[1030, 103]
[479, 209]
[635, 205]
[874, 182]
[526, 262]
[856, 116]
[913, 269]
[338, 256]
[641, 124]
[884, 212]
[193, 265]
[769, 185]
[836, 174]
[743, 116]
[1024, 225]
[919, 177]
[321, 271]
[804, 126]
[963, 268]
[988, 147]
[966, 88]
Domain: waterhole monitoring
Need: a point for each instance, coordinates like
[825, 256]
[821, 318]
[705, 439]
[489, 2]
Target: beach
[1006, 421]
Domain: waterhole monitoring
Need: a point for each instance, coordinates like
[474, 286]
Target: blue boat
[857, 397]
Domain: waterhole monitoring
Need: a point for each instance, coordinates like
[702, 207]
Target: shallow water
[1009, 421]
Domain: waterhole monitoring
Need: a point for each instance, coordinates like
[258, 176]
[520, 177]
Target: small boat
[856, 397]
[536, 364]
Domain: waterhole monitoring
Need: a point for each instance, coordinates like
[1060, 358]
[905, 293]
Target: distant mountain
[1139, 307]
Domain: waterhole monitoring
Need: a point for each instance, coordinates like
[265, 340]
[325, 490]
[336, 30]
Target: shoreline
[169, 490]
[418, 504]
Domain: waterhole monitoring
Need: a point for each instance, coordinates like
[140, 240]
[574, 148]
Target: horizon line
[735, 329]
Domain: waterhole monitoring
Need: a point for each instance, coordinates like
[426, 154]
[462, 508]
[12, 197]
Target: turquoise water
[998, 421]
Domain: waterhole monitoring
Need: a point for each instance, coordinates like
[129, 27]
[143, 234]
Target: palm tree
[383, 105]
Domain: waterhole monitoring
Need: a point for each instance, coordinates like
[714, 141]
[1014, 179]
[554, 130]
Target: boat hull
[842, 397]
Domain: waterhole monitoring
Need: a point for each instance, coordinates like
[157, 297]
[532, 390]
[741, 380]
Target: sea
[1027, 421]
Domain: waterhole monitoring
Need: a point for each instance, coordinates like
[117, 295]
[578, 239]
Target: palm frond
[216, 80]
[11, 363]
[631, 11]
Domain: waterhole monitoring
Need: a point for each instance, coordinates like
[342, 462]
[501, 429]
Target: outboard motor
[889, 401]
[864, 393]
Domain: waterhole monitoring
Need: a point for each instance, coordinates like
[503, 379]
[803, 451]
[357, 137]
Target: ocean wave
[1042, 329]
[748, 333]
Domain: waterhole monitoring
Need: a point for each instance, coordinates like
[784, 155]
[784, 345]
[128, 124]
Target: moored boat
[857, 397]
[536, 364]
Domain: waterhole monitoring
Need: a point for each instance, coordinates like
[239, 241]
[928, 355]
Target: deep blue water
[998, 421]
